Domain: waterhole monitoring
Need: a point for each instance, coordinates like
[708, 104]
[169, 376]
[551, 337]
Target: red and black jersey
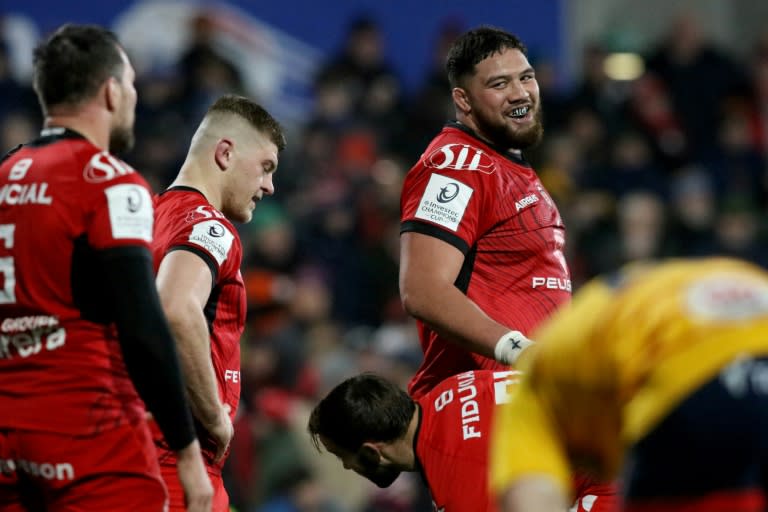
[62, 202]
[454, 438]
[491, 206]
[185, 220]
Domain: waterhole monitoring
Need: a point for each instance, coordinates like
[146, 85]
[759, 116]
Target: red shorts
[115, 470]
[604, 501]
[595, 496]
[176, 492]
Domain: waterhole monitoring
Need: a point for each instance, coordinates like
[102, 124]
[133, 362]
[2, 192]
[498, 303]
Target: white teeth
[520, 112]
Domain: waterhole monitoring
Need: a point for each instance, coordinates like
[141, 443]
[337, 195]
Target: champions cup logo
[460, 157]
[216, 230]
[448, 193]
[134, 201]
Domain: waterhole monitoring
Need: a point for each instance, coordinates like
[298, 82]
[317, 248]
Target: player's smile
[521, 114]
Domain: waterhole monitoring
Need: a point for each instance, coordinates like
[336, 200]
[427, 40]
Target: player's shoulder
[192, 207]
[185, 215]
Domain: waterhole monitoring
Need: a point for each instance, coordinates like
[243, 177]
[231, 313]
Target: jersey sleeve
[213, 240]
[121, 213]
[443, 202]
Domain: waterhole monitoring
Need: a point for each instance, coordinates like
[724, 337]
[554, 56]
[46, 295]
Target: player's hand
[198, 491]
[510, 346]
[222, 432]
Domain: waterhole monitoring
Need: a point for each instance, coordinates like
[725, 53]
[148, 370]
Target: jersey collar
[518, 159]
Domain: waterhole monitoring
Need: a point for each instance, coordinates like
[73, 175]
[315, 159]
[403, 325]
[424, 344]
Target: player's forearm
[190, 329]
[454, 315]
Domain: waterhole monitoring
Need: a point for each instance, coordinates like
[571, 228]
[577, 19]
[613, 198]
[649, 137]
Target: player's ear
[112, 93]
[223, 154]
[460, 100]
[369, 455]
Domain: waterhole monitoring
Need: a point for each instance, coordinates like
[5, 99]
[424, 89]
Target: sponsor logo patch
[444, 201]
[214, 237]
[130, 211]
[104, 167]
[460, 157]
[727, 298]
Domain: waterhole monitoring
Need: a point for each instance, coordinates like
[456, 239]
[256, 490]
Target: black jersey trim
[183, 188]
[54, 134]
[518, 159]
[467, 268]
[211, 307]
[419, 465]
[430, 230]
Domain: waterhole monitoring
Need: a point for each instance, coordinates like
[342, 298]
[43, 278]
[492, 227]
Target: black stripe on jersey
[182, 188]
[419, 465]
[88, 284]
[211, 306]
[430, 230]
[465, 274]
[207, 258]
[11, 152]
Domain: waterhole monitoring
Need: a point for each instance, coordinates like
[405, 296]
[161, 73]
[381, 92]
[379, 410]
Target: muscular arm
[184, 283]
[428, 269]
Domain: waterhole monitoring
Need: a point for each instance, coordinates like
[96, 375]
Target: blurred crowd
[671, 163]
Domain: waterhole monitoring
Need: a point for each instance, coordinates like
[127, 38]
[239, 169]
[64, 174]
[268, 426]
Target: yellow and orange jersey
[618, 359]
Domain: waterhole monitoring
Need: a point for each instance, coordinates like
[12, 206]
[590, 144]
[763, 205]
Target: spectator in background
[83, 328]
[197, 254]
[206, 74]
[697, 76]
[361, 63]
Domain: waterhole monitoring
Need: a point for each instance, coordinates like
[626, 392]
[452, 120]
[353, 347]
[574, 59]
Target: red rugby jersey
[185, 220]
[61, 367]
[454, 438]
[491, 206]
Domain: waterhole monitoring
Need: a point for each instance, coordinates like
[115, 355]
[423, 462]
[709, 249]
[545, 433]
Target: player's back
[452, 447]
[637, 343]
[62, 199]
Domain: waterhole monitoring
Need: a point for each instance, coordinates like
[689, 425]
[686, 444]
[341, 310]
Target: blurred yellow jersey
[612, 364]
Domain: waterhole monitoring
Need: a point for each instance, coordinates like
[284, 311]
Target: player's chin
[384, 478]
[244, 214]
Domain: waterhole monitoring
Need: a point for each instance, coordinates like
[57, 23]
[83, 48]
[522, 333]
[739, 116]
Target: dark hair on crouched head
[362, 408]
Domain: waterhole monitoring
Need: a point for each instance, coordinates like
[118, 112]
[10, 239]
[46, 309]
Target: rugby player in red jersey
[81, 326]
[378, 431]
[481, 240]
[197, 252]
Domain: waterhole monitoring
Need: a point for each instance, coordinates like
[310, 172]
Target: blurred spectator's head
[364, 44]
[693, 199]
[641, 225]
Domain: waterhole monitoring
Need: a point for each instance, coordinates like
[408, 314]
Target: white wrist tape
[510, 346]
